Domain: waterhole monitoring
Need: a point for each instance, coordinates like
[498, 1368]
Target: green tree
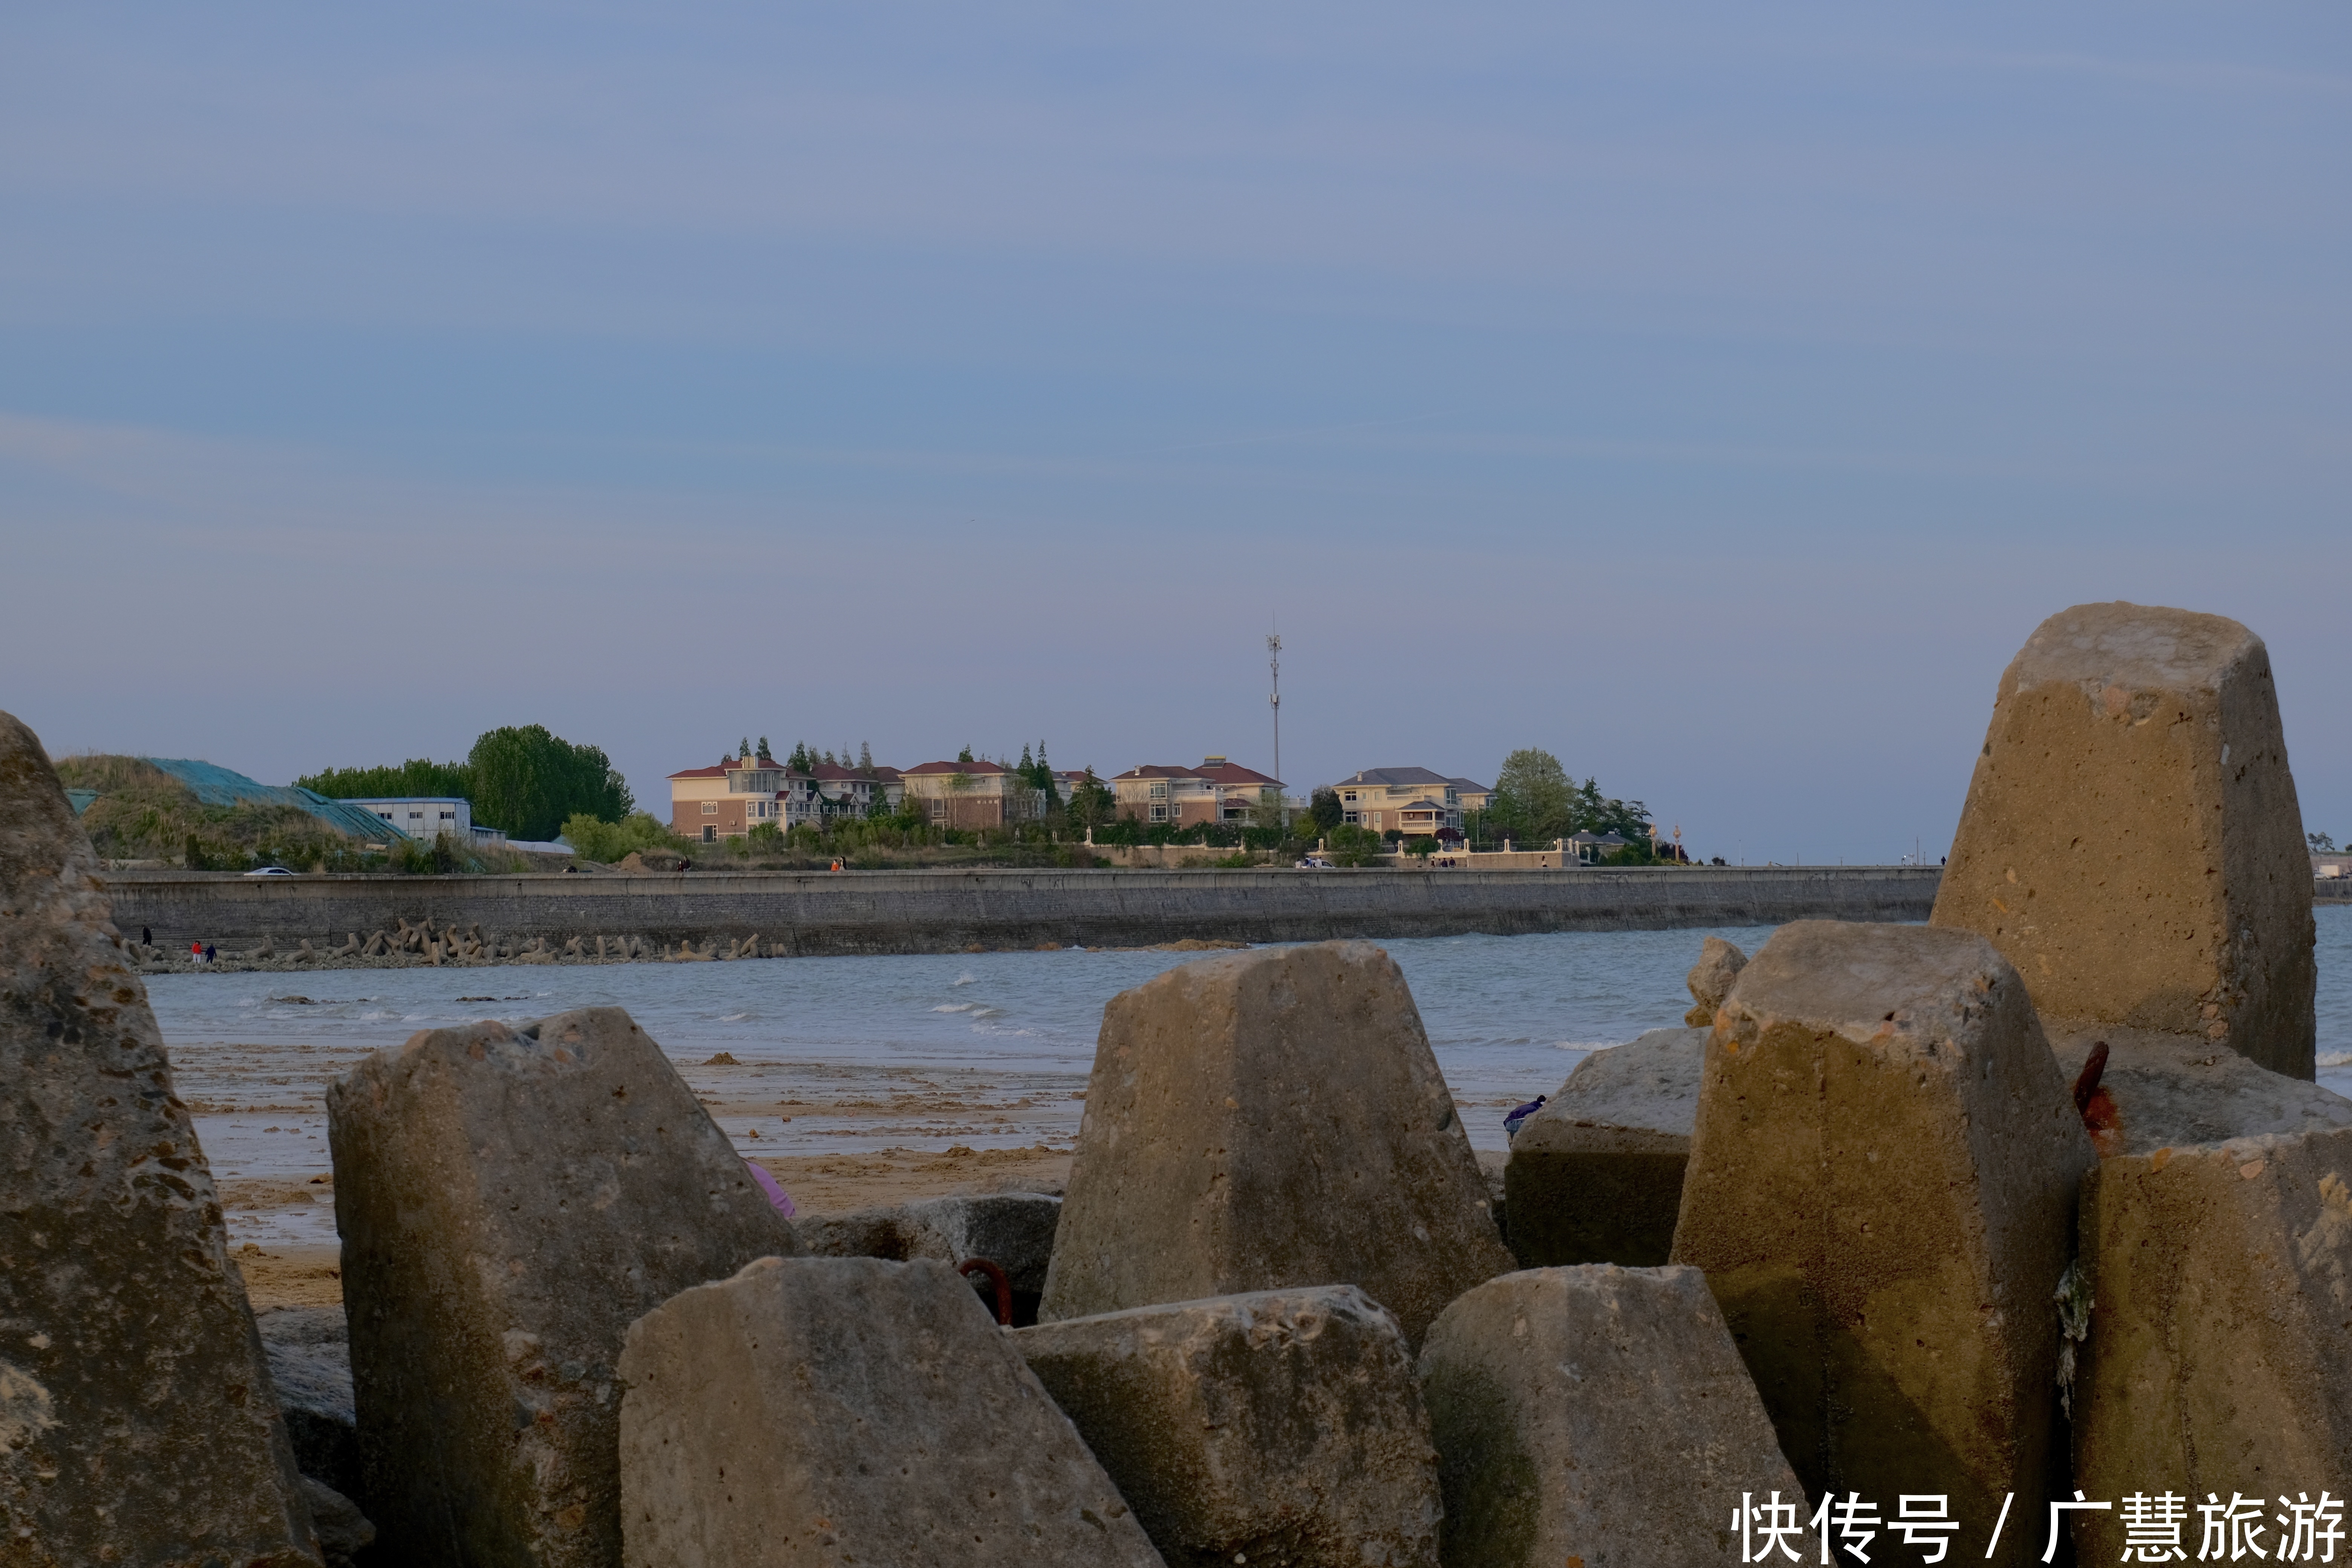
[1324, 808]
[528, 781]
[418, 775]
[964, 756]
[764, 752]
[1533, 801]
[865, 758]
[1092, 805]
[2321, 842]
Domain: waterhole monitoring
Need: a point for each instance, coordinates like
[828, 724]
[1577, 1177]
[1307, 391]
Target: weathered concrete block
[509, 1202]
[309, 1353]
[1594, 1415]
[1711, 978]
[1264, 1119]
[2131, 840]
[851, 1410]
[1881, 1189]
[137, 1422]
[2216, 1241]
[1280, 1428]
[1596, 1176]
[1012, 1230]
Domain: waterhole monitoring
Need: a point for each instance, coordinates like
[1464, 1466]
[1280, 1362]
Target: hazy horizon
[1715, 398]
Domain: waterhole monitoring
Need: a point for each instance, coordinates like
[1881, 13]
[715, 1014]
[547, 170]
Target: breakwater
[812, 912]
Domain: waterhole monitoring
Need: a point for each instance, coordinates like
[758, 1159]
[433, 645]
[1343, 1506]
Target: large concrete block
[1594, 1415]
[1881, 1191]
[2216, 1239]
[2131, 840]
[1283, 1427]
[851, 1410]
[1596, 1176]
[137, 1422]
[1012, 1230]
[1266, 1120]
[509, 1202]
[309, 1353]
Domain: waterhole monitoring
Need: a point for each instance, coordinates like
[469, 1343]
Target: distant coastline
[795, 914]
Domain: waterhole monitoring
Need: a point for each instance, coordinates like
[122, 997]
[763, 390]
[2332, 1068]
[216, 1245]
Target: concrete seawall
[811, 912]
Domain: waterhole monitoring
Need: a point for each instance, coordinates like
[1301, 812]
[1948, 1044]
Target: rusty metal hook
[996, 1276]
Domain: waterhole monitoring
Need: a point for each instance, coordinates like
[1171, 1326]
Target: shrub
[604, 842]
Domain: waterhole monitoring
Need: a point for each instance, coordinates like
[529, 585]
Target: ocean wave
[2336, 1059]
[736, 1017]
[955, 1007]
[966, 978]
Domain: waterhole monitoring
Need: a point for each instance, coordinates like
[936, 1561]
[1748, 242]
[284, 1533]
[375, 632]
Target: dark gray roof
[1469, 786]
[1397, 776]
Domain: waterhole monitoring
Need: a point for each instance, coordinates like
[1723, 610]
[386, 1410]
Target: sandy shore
[836, 1138]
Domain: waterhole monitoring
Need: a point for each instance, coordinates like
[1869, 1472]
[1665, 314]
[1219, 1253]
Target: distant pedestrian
[196, 952]
[1519, 1116]
[146, 937]
[211, 953]
[836, 862]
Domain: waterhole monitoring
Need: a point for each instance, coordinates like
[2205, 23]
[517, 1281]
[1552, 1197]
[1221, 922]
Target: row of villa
[740, 793]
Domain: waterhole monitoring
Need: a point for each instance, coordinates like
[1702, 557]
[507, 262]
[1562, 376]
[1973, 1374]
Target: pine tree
[865, 757]
[744, 750]
[765, 754]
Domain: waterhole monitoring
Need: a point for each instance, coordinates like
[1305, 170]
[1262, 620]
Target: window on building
[448, 817]
[1159, 789]
[709, 808]
[710, 835]
[1159, 813]
[938, 810]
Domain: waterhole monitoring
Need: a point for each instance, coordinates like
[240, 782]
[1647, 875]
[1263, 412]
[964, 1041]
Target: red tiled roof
[1222, 773]
[955, 768]
[831, 771]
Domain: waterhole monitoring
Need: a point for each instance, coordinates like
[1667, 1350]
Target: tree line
[523, 780]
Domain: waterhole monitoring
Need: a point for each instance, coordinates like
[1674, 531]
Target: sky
[1714, 395]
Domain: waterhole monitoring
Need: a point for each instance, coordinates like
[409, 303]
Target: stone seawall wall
[948, 912]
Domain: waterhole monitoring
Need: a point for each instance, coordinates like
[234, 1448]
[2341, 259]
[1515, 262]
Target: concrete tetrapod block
[309, 1356]
[1264, 1119]
[1596, 1414]
[851, 1410]
[2216, 1239]
[1711, 979]
[137, 1422]
[1881, 1191]
[1012, 1230]
[509, 1201]
[2131, 840]
[1596, 1176]
[1281, 1429]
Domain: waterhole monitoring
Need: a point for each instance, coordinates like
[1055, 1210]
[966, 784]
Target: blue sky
[1716, 396]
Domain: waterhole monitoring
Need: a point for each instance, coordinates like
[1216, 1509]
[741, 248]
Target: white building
[427, 817]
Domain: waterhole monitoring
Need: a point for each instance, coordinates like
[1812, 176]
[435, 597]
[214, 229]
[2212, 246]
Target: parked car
[1313, 863]
[270, 871]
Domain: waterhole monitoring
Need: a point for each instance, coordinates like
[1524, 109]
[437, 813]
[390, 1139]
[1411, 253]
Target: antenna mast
[1273, 665]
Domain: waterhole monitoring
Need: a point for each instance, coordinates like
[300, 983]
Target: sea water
[1506, 1014]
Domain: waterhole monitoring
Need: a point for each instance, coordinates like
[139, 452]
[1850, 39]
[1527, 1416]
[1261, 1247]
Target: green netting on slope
[218, 786]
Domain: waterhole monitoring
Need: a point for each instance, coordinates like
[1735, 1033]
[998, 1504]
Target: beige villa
[1414, 801]
[972, 794]
[1217, 791]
